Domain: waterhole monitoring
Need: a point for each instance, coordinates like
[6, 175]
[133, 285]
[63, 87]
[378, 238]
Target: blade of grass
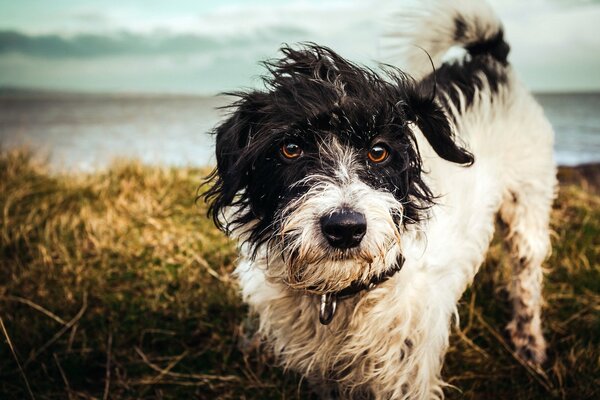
[58, 334]
[14, 353]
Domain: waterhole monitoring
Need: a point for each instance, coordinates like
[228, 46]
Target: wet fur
[479, 147]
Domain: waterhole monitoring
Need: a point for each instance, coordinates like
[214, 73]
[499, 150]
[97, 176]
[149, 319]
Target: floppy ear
[433, 122]
[233, 166]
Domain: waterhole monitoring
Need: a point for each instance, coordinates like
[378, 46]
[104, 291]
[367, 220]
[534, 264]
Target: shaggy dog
[364, 203]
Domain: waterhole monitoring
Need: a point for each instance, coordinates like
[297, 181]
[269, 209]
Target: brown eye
[378, 154]
[291, 151]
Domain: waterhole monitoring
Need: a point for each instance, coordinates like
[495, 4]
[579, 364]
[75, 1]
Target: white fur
[430, 27]
[390, 341]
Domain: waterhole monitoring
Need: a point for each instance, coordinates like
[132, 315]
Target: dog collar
[328, 305]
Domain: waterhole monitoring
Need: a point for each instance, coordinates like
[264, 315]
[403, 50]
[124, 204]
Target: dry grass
[115, 285]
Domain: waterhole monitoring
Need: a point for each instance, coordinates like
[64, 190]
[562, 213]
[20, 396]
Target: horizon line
[7, 90]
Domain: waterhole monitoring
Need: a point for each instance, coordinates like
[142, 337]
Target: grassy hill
[115, 285]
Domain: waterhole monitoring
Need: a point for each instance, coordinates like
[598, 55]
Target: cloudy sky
[204, 46]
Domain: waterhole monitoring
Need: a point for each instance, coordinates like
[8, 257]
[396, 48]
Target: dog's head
[321, 172]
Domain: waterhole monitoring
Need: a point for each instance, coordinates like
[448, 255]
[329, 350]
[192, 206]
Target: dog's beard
[307, 261]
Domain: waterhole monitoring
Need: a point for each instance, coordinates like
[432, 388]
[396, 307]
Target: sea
[85, 132]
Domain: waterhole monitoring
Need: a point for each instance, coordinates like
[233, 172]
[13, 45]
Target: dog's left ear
[433, 122]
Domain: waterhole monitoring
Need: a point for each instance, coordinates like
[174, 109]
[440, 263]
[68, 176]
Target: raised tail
[439, 25]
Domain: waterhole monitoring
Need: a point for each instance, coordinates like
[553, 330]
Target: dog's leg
[526, 212]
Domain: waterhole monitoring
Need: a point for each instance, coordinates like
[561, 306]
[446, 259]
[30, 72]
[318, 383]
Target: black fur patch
[466, 77]
[495, 47]
[486, 62]
[311, 96]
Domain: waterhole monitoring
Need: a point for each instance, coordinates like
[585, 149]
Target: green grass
[115, 285]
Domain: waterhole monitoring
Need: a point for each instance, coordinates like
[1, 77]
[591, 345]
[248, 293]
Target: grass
[115, 285]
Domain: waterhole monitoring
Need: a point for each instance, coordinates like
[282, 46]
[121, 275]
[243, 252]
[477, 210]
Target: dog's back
[514, 172]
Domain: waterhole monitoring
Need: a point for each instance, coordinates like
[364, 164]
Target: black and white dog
[364, 203]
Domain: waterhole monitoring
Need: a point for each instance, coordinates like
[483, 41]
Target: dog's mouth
[334, 251]
[355, 254]
[300, 262]
[327, 270]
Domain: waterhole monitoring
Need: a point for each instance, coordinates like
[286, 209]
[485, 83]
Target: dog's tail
[439, 25]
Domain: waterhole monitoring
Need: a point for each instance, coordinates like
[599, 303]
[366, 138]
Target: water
[576, 122]
[87, 132]
[77, 132]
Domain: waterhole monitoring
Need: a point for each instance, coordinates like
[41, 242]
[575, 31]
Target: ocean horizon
[87, 131]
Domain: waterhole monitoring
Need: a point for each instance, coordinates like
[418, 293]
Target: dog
[364, 202]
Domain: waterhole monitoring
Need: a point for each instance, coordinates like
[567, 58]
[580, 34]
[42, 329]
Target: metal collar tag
[327, 309]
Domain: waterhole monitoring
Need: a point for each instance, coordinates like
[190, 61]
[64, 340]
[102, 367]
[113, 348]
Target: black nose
[344, 229]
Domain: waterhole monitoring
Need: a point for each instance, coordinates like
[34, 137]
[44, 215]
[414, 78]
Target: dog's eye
[291, 151]
[378, 153]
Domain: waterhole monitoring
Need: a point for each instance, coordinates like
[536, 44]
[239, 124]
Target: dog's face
[321, 173]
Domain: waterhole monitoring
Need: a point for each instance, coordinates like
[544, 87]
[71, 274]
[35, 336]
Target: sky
[206, 47]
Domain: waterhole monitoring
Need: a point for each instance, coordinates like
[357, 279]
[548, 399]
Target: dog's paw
[532, 352]
[528, 341]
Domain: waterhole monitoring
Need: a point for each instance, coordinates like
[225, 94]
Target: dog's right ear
[234, 163]
[429, 116]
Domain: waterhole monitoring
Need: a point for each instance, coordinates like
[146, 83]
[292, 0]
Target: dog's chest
[372, 338]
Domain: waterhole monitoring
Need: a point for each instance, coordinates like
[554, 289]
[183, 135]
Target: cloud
[129, 44]
[557, 49]
[207, 47]
[133, 62]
